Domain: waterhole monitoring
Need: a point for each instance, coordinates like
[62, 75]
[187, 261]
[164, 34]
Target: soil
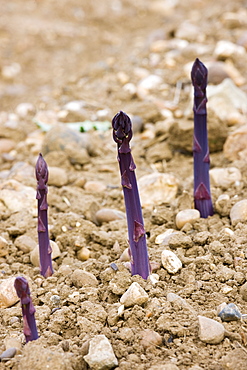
[64, 51]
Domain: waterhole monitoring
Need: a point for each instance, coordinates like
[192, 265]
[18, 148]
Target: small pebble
[83, 254]
[227, 49]
[81, 278]
[225, 177]
[210, 331]
[170, 261]
[100, 355]
[8, 295]
[230, 313]
[25, 243]
[9, 353]
[134, 295]
[150, 338]
[164, 237]
[108, 215]
[57, 176]
[157, 188]
[95, 186]
[55, 300]
[185, 216]
[238, 212]
[34, 254]
[222, 205]
[24, 109]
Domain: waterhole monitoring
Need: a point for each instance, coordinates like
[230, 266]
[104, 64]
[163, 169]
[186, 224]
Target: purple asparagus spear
[122, 134]
[44, 241]
[202, 195]
[28, 310]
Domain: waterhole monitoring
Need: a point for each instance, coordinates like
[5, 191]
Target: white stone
[74, 106]
[186, 215]
[134, 295]
[157, 188]
[11, 71]
[210, 331]
[100, 355]
[18, 197]
[150, 82]
[8, 295]
[170, 261]
[226, 98]
[226, 49]
[224, 177]
[222, 204]
[164, 237]
[34, 255]
[57, 176]
[239, 212]
[23, 109]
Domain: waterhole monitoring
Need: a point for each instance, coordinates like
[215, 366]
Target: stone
[24, 109]
[75, 145]
[226, 99]
[185, 216]
[210, 331]
[100, 355]
[157, 188]
[8, 295]
[238, 212]
[94, 186]
[230, 312]
[188, 31]
[225, 177]
[11, 71]
[170, 261]
[163, 238]
[6, 145]
[243, 291]
[25, 243]
[135, 294]
[158, 152]
[148, 84]
[223, 205]
[108, 215]
[227, 49]
[8, 353]
[18, 197]
[57, 176]
[83, 254]
[82, 278]
[22, 172]
[3, 247]
[34, 254]
[235, 146]
[150, 338]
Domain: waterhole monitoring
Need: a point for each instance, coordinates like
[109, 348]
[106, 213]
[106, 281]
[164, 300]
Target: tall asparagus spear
[202, 195]
[43, 235]
[28, 310]
[122, 134]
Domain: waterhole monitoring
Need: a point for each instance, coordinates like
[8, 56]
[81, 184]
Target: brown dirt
[80, 50]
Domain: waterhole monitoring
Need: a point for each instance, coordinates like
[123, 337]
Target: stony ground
[67, 67]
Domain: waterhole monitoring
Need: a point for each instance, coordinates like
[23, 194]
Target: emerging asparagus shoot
[202, 195]
[43, 235]
[122, 134]
[28, 310]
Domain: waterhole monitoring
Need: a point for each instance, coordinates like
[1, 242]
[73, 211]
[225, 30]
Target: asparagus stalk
[28, 310]
[43, 235]
[122, 134]
[202, 195]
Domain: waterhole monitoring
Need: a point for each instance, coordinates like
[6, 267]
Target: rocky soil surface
[67, 67]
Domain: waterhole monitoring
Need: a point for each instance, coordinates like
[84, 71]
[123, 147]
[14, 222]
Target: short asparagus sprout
[28, 310]
[43, 235]
[202, 195]
[122, 134]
